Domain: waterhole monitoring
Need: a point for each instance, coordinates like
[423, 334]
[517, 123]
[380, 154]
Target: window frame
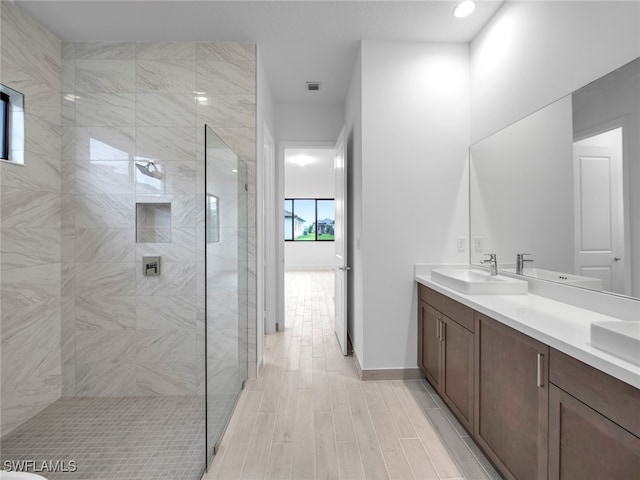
[315, 222]
[5, 100]
[13, 130]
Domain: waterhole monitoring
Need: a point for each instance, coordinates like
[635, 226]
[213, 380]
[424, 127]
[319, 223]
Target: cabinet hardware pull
[438, 329]
[540, 382]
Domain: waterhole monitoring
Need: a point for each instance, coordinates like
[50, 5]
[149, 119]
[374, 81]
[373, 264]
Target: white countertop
[560, 325]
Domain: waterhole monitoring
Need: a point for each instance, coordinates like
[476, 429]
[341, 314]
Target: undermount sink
[478, 282]
[619, 338]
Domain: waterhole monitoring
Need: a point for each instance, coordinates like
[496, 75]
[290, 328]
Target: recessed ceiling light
[464, 9]
[302, 160]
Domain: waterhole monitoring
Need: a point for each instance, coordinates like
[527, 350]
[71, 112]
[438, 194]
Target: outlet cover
[478, 244]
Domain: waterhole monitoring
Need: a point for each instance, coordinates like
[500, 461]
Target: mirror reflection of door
[599, 209]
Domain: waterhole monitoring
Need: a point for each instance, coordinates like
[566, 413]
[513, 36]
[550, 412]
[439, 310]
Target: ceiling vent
[313, 86]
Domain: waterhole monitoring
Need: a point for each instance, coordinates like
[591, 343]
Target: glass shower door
[226, 284]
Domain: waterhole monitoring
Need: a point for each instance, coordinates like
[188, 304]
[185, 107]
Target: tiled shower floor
[130, 438]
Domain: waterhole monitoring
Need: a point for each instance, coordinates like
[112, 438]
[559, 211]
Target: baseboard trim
[357, 363]
[391, 374]
[371, 374]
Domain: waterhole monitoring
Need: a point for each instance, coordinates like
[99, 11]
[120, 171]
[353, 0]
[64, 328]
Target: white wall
[308, 122]
[415, 135]
[314, 180]
[309, 255]
[532, 53]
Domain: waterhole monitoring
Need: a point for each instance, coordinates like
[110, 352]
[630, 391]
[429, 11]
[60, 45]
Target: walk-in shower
[123, 252]
[152, 366]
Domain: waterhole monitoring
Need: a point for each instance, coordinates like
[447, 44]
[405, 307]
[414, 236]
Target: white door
[599, 215]
[340, 236]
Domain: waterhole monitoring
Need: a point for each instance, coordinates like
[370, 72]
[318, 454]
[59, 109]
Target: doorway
[307, 198]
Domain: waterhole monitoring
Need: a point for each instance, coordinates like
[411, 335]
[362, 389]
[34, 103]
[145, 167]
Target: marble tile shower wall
[30, 62]
[123, 333]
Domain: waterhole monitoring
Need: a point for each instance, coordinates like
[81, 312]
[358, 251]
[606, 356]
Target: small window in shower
[153, 222]
[4, 126]
[11, 125]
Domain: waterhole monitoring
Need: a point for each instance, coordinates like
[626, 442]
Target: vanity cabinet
[594, 423]
[512, 399]
[536, 412]
[446, 351]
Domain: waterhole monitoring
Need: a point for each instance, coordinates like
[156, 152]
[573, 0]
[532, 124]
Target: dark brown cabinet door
[512, 399]
[430, 348]
[585, 445]
[457, 370]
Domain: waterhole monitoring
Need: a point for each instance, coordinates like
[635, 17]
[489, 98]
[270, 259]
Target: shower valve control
[150, 266]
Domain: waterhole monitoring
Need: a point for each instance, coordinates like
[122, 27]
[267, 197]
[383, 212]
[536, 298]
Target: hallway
[309, 416]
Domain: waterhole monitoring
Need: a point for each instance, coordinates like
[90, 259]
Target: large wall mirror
[563, 185]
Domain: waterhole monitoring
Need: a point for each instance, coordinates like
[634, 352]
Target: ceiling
[299, 40]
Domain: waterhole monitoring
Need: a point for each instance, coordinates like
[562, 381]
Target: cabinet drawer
[616, 400]
[449, 307]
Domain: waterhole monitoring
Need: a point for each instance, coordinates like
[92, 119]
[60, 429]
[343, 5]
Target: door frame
[266, 252]
[279, 212]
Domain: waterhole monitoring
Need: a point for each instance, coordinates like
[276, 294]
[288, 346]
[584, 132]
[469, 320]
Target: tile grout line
[253, 430]
[446, 446]
[435, 468]
[393, 426]
[433, 464]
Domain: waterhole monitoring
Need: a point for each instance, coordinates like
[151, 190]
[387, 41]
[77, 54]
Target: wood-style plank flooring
[309, 416]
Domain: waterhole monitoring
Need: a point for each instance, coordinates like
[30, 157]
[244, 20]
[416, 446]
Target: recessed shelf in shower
[153, 222]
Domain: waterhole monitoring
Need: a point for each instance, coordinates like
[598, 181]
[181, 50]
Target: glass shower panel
[226, 283]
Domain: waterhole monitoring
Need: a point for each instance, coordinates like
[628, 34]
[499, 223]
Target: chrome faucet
[520, 262]
[493, 263]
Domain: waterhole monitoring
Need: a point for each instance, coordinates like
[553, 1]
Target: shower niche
[153, 222]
